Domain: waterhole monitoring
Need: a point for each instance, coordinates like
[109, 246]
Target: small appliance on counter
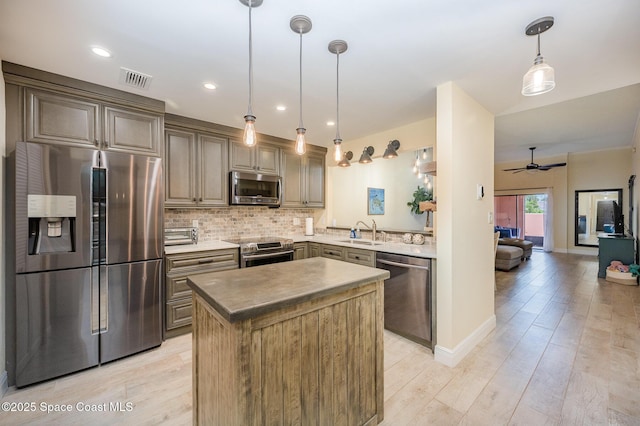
[180, 236]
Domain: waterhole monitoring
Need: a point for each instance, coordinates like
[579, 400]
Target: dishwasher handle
[402, 265]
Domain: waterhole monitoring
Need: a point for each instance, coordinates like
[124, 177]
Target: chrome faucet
[372, 228]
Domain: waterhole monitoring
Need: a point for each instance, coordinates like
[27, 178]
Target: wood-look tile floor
[566, 350]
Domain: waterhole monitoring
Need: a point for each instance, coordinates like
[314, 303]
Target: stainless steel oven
[264, 250]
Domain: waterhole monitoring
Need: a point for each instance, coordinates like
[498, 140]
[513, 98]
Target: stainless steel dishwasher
[407, 296]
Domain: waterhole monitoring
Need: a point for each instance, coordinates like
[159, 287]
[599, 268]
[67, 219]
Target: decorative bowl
[418, 239]
[407, 238]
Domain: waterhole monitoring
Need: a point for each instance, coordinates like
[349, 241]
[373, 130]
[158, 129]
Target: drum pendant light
[249, 137]
[540, 77]
[337, 47]
[300, 24]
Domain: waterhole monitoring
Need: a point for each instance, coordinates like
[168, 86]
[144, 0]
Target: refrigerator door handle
[104, 299]
[95, 301]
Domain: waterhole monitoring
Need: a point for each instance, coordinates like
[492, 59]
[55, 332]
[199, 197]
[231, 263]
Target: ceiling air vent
[134, 79]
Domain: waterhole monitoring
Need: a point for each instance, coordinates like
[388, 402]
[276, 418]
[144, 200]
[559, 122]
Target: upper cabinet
[303, 179]
[196, 168]
[61, 118]
[262, 158]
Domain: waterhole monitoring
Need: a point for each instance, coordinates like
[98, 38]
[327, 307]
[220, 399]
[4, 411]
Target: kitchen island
[293, 342]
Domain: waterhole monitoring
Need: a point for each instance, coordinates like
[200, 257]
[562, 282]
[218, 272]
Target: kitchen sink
[361, 242]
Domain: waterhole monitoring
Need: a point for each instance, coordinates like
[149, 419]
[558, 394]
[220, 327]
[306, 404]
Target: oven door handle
[265, 255]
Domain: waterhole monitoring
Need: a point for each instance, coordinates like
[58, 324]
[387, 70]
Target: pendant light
[249, 137]
[367, 152]
[344, 161]
[300, 24]
[337, 47]
[540, 77]
[392, 148]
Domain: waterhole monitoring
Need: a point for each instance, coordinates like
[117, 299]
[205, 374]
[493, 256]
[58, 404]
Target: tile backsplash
[239, 221]
[245, 221]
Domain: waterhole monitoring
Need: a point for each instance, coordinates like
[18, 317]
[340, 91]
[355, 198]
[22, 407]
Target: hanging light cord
[338, 96]
[301, 125]
[249, 112]
[538, 41]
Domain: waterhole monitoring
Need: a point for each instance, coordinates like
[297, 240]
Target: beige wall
[3, 133]
[537, 182]
[592, 170]
[465, 270]
[340, 181]
[596, 170]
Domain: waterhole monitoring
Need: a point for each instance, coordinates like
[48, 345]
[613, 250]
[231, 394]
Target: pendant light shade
[344, 162]
[392, 148]
[540, 78]
[367, 152]
[300, 24]
[249, 136]
[337, 155]
[337, 47]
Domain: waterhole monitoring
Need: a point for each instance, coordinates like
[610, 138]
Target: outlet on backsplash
[194, 223]
[296, 221]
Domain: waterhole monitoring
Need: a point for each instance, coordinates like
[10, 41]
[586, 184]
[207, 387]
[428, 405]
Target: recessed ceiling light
[331, 123]
[210, 86]
[281, 108]
[100, 51]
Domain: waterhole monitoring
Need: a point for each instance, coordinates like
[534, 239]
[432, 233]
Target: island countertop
[245, 293]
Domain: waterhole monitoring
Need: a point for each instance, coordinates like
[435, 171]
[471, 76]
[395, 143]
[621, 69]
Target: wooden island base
[315, 362]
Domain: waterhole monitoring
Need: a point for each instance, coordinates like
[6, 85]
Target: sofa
[508, 257]
[526, 246]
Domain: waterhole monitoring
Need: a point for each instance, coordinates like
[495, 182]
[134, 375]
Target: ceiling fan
[534, 166]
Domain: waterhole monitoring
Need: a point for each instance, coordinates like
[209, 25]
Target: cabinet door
[213, 171]
[261, 158]
[292, 180]
[179, 188]
[314, 176]
[300, 251]
[61, 119]
[267, 159]
[240, 156]
[332, 252]
[314, 250]
[132, 131]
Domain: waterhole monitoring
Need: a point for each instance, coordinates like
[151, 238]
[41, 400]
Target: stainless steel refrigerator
[88, 258]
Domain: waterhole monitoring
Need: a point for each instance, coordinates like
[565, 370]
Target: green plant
[419, 195]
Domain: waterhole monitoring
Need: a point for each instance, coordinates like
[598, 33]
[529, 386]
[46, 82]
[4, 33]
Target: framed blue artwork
[375, 200]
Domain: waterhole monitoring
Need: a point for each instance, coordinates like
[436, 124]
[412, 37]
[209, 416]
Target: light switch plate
[490, 218]
[296, 221]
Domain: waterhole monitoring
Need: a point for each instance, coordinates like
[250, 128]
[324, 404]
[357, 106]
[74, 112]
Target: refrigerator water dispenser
[52, 221]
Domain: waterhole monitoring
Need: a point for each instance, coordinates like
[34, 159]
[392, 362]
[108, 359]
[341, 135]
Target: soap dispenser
[352, 234]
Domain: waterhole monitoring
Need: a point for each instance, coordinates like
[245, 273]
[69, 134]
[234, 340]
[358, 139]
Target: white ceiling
[399, 51]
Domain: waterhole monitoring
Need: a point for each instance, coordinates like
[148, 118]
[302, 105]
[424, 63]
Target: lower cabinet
[300, 250]
[347, 254]
[178, 303]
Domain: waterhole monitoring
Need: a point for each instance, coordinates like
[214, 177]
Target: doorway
[521, 216]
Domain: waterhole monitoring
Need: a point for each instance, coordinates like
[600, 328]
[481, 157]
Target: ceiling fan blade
[548, 166]
[517, 168]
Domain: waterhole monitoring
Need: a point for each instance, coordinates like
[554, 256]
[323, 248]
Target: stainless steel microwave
[254, 189]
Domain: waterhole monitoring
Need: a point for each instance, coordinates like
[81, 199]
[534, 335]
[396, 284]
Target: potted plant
[419, 195]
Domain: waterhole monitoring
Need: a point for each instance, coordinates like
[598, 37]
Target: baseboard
[4, 384]
[451, 357]
[584, 251]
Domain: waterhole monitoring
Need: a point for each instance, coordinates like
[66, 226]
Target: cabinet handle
[194, 199]
[202, 261]
[96, 143]
[200, 199]
[357, 257]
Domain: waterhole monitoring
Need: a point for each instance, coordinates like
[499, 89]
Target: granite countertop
[426, 250]
[240, 294]
[201, 246]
